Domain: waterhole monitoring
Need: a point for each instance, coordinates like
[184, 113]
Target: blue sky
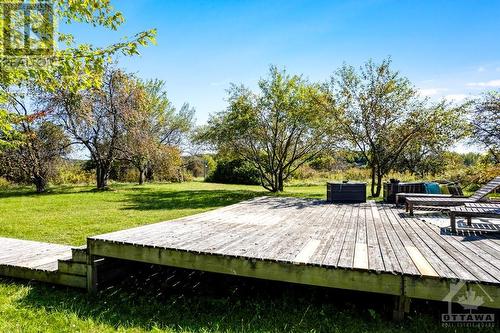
[447, 48]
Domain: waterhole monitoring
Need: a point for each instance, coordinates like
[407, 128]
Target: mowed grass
[40, 308]
[68, 215]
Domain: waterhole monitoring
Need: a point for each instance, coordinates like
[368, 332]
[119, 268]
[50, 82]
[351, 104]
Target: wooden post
[93, 264]
[401, 307]
[453, 222]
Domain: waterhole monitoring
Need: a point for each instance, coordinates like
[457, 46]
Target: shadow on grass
[148, 199]
[27, 191]
[191, 301]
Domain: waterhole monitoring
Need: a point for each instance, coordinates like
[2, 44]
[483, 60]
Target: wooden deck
[368, 247]
[39, 261]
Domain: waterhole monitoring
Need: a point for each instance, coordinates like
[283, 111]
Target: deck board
[30, 254]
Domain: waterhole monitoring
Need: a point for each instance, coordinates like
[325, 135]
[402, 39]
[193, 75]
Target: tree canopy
[70, 64]
[381, 115]
[486, 123]
[277, 129]
[152, 127]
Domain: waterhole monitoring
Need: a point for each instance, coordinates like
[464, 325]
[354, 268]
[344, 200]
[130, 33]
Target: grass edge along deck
[391, 283]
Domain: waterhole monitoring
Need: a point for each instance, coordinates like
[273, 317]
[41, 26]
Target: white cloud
[428, 92]
[481, 69]
[491, 83]
[497, 69]
[456, 97]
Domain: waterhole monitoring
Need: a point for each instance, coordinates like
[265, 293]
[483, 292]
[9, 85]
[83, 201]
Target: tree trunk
[373, 181]
[142, 175]
[40, 183]
[280, 181]
[102, 175]
[270, 184]
[149, 172]
[379, 185]
[496, 156]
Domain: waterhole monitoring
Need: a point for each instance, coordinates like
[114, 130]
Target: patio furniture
[470, 210]
[346, 192]
[393, 188]
[446, 202]
[395, 192]
[402, 196]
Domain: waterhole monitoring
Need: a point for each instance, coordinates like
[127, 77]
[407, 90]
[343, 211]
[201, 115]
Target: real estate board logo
[470, 297]
[27, 32]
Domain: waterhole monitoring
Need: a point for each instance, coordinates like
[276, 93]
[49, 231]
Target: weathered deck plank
[30, 254]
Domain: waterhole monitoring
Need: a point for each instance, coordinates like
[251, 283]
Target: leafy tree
[40, 144]
[277, 130]
[425, 154]
[381, 115]
[74, 66]
[154, 122]
[95, 117]
[167, 164]
[486, 123]
[420, 159]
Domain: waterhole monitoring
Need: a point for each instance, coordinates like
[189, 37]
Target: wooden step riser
[70, 267]
[79, 255]
[70, 280]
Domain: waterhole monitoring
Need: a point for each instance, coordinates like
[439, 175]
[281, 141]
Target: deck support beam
[401, 307]
[384, 283]
[92, 267]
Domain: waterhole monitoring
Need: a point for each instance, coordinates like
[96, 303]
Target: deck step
[71, 267]
[79, 254]
[54, 277]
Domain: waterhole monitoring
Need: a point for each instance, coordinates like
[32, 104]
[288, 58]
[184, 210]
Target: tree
[74, 66]
[485, 120]
[420, 159]
[153, 123]
[277, 130]
[95, 117]
[381, 114]
[41, 144]
[425, 153]
[39, 155]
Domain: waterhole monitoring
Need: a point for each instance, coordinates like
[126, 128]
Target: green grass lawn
[40, 308]
[69, 214]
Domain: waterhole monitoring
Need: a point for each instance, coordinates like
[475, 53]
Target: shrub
[73, 173]
[235, 171]
[473, 177]
[167, 165]
[4, 184]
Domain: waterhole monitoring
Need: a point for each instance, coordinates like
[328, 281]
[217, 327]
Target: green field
[70, 214]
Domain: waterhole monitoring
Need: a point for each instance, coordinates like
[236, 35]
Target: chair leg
[453, 222]
[411, 208]
[469, 221]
